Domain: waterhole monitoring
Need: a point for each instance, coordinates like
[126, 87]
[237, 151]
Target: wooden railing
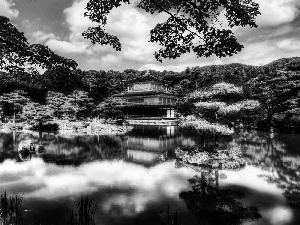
[153, 117]
[146, 103]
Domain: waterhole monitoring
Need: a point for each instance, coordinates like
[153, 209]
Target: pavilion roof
[143, 93]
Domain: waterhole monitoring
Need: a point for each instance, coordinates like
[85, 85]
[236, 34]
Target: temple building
[147, 100]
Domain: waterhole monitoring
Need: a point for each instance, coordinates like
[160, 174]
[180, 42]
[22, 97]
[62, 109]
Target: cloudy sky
[59, 24]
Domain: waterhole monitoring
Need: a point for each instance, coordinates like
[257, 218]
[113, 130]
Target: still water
[128, 183]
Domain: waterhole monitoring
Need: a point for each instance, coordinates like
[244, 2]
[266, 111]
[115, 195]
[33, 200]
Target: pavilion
[147, 100]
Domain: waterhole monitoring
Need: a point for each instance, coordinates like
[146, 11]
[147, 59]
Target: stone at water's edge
[223, 159]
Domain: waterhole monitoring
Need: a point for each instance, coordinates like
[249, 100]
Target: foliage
[221, 103]
[17, 55]
[217, 91]
[36, 114]
[222, 108]
[82, 103]
[61, 79]
[275, 86]
[202, 125]
[215, 107]
[97, 83]
[14, 102]
[278, 89]
[191, 26]
[108, 109]
[69, 106]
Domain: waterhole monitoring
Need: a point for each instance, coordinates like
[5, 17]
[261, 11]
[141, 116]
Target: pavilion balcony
[159, 103]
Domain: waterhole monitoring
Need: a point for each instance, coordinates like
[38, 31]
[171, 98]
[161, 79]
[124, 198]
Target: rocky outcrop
[222, 159]
[94, 128]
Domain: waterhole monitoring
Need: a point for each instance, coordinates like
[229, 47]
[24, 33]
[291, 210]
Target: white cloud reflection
[127, 189]
[36, 179]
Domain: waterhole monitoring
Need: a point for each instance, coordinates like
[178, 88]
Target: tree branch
[182, 24]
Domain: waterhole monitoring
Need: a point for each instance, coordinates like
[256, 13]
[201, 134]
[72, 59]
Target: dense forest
[67, 93]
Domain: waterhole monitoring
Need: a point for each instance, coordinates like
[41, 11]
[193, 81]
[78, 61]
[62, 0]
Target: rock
[215, 165]
[225, 159]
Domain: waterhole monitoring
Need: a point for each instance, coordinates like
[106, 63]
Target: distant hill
[292, 64]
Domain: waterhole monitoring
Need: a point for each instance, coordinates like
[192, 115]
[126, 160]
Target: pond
[134, 179]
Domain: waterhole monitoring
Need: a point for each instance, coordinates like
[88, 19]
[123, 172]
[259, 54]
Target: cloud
[263, 52]
[76, 21]
[40, 37]
[162, 68]
[255, 53]
[110, 59]
[69, 47]
[6, 9]
[129, 24]
[290, 45]
[93, 61]
[277, 12]
[275, 38]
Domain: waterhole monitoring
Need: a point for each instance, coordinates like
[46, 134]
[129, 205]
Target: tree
[17, 55]
[97, 84]
[15, 100]
[221, 103]
[62, 106]
[69, 106]
[54, 100]
[193, 25]
[108, 109]
[277, 87]
[36, 114]
[61, 79]
[82, 104]
[211, 111]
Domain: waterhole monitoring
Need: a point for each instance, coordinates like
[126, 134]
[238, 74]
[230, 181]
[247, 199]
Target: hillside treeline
[275, 85]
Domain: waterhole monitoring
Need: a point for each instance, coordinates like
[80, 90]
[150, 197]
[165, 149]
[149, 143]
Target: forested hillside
[275, 85]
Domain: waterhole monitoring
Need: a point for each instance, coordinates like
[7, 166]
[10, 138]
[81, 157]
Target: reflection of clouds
[279, 215]
[49, 181]
[269, 195]
[125, 205]
[248, 177]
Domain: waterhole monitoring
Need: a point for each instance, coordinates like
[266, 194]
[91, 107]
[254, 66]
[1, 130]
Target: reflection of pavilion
[145, 144]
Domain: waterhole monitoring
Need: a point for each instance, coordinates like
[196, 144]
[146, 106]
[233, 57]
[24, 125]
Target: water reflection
[145, 145]
[130, 184]
[276, 153]
[213, 205]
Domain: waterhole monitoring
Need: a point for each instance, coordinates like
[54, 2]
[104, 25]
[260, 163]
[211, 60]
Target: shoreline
[76, 127]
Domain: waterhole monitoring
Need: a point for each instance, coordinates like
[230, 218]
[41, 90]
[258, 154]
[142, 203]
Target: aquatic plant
[170, 218]
[84, 213]
[10, 210]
